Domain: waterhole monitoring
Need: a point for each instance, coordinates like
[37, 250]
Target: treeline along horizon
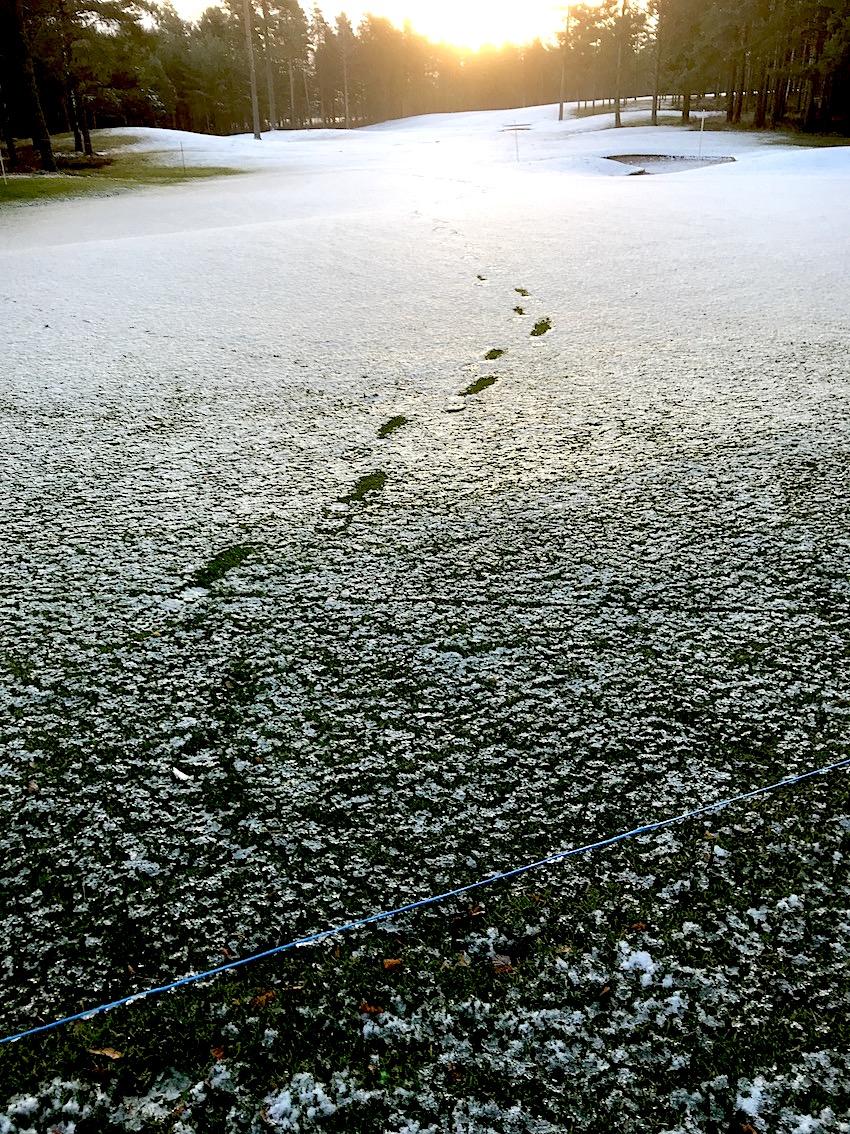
[72, 65]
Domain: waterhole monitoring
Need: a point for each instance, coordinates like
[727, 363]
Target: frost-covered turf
[268, 664]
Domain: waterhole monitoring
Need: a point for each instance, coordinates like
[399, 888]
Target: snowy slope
[608, 586]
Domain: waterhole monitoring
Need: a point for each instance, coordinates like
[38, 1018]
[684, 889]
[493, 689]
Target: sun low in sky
[464, 23]
[469, 23]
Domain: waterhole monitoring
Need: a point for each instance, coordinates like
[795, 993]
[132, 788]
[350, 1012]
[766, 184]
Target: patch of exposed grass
[524, 292]
[103, 141]
[607, 107]
[219, 565]
[519, 310]
[541, 327]
[811, 141]
[18, 667]
[493, 354]
[718, 125]
[372, 482]
[391, 426]
[477, 386]
[122, 172]
[646, 120]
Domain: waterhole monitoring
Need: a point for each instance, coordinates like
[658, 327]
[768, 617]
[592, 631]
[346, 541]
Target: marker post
[702, 115]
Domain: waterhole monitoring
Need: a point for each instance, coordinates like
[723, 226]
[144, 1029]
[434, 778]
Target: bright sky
[467, 23]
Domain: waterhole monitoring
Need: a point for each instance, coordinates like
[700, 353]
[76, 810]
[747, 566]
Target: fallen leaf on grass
[391, 963]
[217, 1053]
[502, 963]
[109, 1052]
[262, 999]
[371, 1009]
[604, 995]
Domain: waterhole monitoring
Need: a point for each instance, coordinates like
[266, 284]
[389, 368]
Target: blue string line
[372, 919]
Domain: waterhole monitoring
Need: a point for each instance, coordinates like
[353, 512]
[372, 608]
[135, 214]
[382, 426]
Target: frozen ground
[609, 586]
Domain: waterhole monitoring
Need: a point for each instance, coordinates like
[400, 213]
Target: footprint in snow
[219, 565]
[372, 482]
[391, 426]
[541, 327]
[477, 386]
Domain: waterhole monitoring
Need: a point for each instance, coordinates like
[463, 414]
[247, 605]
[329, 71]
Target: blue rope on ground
[312, 939]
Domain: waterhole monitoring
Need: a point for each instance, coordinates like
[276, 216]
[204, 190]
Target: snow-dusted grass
[265, 668]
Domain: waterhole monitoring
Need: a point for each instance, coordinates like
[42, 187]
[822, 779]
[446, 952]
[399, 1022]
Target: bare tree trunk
[564, 69]
[686, 106]
[761, 100]
[252, 72]
[83, 115]
[346, 104]
[70, 80]
[742, 71]
[782, 63]
[770, 91]
[308, 108]
[739, 94]
[38, 125]
[619, 77]
[269, 72]
[7, 132]
[810, 112]
[292, 122]
[730, 93]
[747, 103]
[75, 122]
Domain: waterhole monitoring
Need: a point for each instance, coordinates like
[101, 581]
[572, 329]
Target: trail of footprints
[372, 482]
[375, 481]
